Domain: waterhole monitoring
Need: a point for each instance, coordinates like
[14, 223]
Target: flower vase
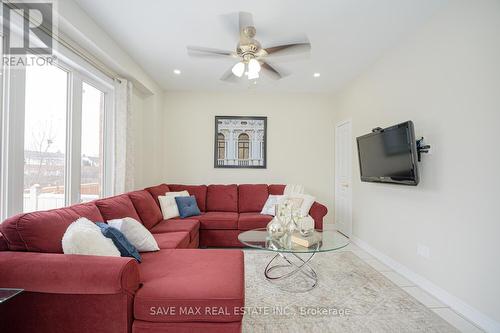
[275, 229]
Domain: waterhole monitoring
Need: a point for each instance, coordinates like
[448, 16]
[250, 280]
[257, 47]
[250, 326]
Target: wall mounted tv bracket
[422, 148]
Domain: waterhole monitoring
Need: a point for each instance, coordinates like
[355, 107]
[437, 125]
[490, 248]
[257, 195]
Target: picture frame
[240, 142]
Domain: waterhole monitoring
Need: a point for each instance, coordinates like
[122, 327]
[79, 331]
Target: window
[57, 139]
[92, 143]
[44, 137]
[243, 146]
[221, 146]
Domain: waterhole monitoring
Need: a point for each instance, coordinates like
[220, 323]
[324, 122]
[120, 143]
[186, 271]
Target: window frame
[221, 146]
[12, 128]
[244, 147]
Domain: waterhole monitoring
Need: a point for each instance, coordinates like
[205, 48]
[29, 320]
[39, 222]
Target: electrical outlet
[423, 251]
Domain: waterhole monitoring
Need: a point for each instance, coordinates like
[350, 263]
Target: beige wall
[153, 141]
[446, 78]
[299, 139]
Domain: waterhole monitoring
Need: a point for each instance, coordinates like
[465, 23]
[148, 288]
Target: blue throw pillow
[187, 206]
[121, 242]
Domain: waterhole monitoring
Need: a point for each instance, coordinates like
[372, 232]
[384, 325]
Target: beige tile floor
[455, 319]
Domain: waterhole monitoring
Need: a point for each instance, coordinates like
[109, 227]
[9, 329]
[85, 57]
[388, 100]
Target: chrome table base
[288, 270]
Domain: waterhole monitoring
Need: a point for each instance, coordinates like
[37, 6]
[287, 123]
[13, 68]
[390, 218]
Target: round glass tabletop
[321, 241]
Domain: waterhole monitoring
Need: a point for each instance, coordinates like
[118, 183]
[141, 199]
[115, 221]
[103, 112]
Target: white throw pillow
[136, 233]
[85, 237]
[270, 205]
[307, 202]
[168, 205]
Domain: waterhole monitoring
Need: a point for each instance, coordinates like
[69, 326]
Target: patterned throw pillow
[295, 202]
[306, 204]
[270, 205]
[121, 242]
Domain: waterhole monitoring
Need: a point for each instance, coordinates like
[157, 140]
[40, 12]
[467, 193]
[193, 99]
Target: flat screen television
[389, 155]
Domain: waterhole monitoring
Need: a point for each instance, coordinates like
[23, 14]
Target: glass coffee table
[293, 259]
[8, 293]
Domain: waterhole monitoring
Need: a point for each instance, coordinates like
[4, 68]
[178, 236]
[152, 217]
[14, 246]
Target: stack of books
[305, 241]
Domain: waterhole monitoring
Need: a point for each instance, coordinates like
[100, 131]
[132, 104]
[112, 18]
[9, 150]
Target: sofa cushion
[195, 243]
[208, 280]
[199, 191]
[276, 189]
[218, 220]
[251, 198]
[145, 206]
[248, 221]
[43, 231]
[222, 198]
[173, 240]
[158, 190]
[172, 225]
[140, 326]
[117, 207]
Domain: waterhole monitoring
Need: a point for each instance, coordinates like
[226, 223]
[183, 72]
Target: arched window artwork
[243, 146]
[221, 146]
[239, 142]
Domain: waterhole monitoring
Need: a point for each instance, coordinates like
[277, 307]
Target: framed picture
[240, 142]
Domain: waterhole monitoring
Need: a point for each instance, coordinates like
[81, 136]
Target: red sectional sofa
[227, 210]
[177, 289]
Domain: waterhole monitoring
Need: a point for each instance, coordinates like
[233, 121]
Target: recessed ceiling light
[177, 71]
[317, 74]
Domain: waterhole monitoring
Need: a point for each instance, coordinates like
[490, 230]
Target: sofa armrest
[3, 243]
[68, 274]
[318, 212]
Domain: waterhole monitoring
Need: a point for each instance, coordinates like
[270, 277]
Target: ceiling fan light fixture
[250, 53]
[253, 75]
[253, 66]
[238, 69]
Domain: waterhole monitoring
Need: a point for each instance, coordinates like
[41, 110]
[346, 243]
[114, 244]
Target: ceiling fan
[250, 54]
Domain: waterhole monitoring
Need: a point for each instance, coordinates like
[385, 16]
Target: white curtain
[124, 145]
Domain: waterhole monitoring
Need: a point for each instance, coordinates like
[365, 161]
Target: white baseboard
[480, 319]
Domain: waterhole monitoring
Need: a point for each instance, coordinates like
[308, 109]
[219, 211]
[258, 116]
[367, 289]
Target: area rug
[351, 297]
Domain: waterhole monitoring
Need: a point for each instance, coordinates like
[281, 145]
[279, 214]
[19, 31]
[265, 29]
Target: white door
[343, 172]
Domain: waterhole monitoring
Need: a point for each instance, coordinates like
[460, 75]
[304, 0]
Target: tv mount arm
[422, 148]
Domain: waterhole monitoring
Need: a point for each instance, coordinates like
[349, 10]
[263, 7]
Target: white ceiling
[346, 37]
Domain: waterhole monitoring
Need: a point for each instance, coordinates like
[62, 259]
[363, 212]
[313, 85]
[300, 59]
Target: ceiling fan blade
[271, 71]
[288, 49]
[198, 51]
[228, 76]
